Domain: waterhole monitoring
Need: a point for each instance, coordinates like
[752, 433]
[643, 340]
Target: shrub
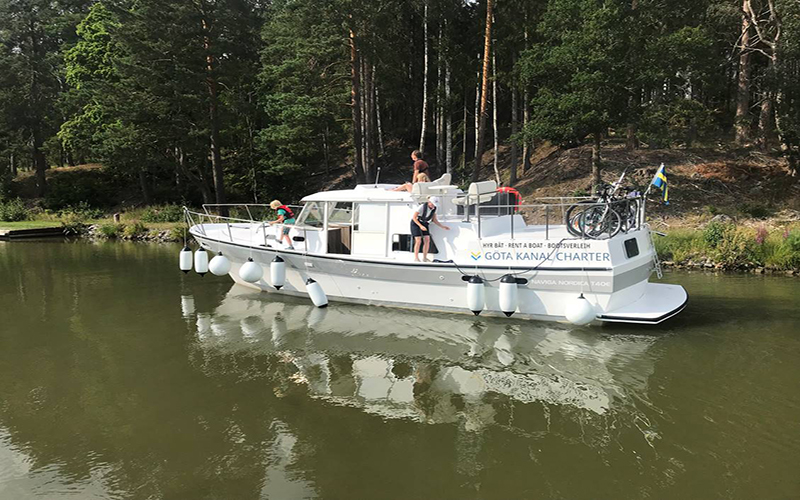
[755, 210]
[73, 223]
[71, 188]
[737, 247]
[134, 230]
[680, 245]
[177, 233]
[761, 235]
[5, 184]
[792, 240]
[682, 120]
[111, 231]
[167, 213]
[82, 211]
[714, 233]
[13, 210]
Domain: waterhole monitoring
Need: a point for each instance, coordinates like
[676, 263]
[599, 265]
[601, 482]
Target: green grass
[29, 224]
[733, 246]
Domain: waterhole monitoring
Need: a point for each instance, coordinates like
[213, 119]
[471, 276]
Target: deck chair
[478, 192]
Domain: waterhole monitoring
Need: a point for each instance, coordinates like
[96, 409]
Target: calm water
[122, 378]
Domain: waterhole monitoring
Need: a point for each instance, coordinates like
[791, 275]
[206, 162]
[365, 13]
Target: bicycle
[607, 215]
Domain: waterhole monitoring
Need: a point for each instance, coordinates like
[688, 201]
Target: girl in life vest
[285, 217]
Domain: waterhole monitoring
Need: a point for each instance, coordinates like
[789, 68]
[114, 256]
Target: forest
[215, 101]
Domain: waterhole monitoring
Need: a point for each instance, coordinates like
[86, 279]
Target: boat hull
[441, 286]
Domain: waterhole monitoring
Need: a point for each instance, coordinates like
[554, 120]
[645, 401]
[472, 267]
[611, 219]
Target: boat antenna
[378, 175]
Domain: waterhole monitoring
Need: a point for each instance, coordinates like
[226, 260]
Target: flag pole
[646, 192]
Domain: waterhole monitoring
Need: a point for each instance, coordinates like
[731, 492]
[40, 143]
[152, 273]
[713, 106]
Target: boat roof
[362, 193]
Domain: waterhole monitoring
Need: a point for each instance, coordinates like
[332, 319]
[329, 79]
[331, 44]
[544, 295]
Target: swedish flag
[660, 181]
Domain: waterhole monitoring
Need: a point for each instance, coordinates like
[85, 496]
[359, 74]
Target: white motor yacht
[556, 259]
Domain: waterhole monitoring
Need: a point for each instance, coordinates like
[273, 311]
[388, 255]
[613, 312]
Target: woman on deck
[423, 177]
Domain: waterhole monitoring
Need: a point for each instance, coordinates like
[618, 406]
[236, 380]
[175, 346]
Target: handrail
[480, 213]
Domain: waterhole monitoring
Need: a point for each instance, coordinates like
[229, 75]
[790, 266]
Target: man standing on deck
[423, 216]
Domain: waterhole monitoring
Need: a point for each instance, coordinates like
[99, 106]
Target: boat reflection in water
[425, 367]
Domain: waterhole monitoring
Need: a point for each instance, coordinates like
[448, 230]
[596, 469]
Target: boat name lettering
[559, 256]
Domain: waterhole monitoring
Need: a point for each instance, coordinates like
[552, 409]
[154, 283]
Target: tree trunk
[527, 146]
[364, 119]
[369, 122]
[766, 123]
[213, 115]
[487, 47]
[12, 160]
[596, 162]
[477, 107]
[355, 105]
[631, 141]
[463, 162]
[39, 163]
[37, 156]
[326, 151]
[448, 143]
[147, 196]
[742, 122]
[381, 150]
[424, 82]
[440, 140]
[512, 167]
[199, 182]
[494, 118]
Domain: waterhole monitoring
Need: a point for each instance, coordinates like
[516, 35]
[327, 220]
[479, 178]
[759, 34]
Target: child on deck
[285, 217]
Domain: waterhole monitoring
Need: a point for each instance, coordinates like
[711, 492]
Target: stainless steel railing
[550, 213]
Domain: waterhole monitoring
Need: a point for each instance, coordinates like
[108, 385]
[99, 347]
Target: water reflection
[122, 378]
[424, 367]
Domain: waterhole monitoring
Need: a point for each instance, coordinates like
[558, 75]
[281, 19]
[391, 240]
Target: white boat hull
[617, 295]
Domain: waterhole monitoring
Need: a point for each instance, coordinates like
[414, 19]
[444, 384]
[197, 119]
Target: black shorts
[416, 231]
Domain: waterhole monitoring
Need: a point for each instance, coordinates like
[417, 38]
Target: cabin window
[340, 222]
[631, 248]
[312, 215]
[340, 213]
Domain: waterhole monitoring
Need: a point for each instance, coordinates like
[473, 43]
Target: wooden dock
[39, 232]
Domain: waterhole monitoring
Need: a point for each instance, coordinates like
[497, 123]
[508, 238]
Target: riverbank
[751, 246]
[157, 224]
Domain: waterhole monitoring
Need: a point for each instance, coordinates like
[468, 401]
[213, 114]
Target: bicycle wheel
[628, 211]
[630, 216]
[598, 221]
[574, 213]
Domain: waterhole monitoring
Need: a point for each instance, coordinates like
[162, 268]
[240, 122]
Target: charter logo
[475, 255]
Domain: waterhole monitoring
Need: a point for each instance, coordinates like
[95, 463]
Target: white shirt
[421, 208]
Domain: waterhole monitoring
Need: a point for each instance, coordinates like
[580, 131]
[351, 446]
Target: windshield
[311, 215]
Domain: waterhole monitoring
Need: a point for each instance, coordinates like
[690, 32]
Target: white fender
[201, 262]
[316, 293]
[250, 271]
[476, 295]
[579, 311]
[219, 265]
[508, 295]
[186, 259]
[277, 272]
